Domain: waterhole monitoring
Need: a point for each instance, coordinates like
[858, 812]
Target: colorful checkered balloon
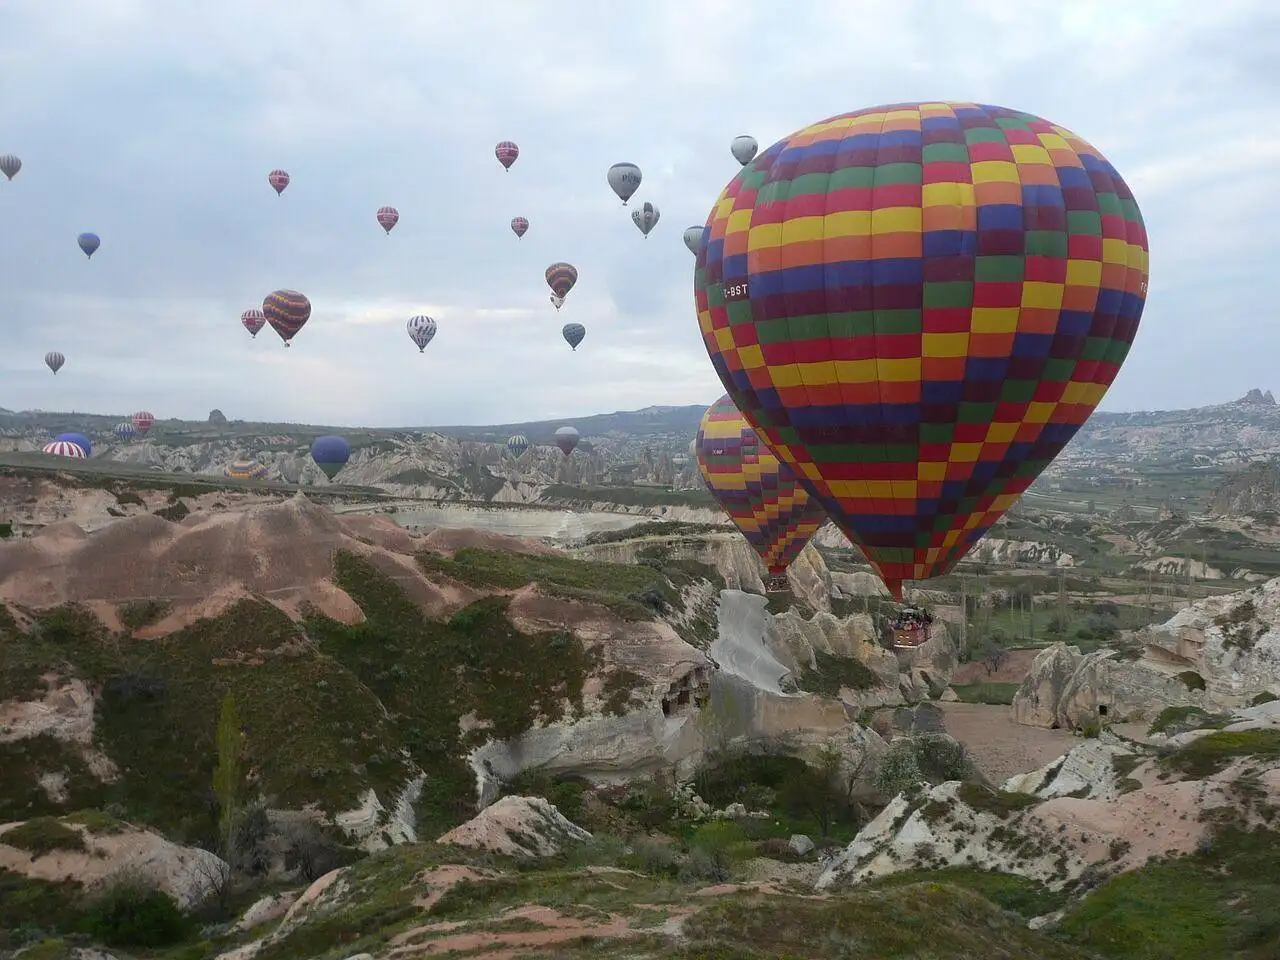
[759, 494]
[917, 306]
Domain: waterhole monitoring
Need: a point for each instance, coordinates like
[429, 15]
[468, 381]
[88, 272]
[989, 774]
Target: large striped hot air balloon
[64, 448]
[142, 422]
[561, 278]
[287, 311]
[917, 306]
[387, 218]
[518, 444]
[253, 320]
[760, 494]
[54, 360]
[125, 430]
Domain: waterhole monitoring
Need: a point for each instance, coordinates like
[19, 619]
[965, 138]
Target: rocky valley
[461, 703]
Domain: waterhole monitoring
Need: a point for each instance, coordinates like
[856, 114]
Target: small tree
[227, 775]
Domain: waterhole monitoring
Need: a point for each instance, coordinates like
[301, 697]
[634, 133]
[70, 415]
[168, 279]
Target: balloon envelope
[693, 238]
[253, 320]
[79, 439]
[125, 430]
[573, 334]
[142, 421]
[625, 179]
[566, 439]
[278, 179]
[54, 360]
[519, 226]
[744, 149]
[560, 278]
[518, 444]
[421, 331]
[759, 493]
[388, 217]
[921, 329]
[645, 217]
[507, 153]
[10, 165]
[64, 448]
[245, 470]
[288, 312]
[330, 454]
[89, 243]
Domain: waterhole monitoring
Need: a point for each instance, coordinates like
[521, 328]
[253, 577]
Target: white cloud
[155, 124]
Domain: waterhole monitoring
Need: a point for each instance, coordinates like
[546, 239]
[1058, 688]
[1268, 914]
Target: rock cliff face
[1219, 652]
[1254, 490]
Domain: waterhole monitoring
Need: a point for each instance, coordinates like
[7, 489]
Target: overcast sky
[154, 123]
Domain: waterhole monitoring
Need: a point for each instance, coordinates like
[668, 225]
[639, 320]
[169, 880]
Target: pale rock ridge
[518, 827]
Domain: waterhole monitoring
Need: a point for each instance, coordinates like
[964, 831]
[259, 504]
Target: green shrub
[128, 914]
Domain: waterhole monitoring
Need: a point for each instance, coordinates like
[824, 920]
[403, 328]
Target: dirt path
[1000, 746]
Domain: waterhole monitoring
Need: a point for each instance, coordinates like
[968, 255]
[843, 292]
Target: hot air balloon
[919, 330]
[625, 179]
[760, 494]
[744, 149]
[279, 180]
[89, 243]
[125, 430]
[518, 444]
[506, 152]
[253, 320]
[330, 454]
[288, 312]
[142, 421]
[64, 448]
[10, 165]
[244, 470]
[645, 217]
[693, 238]
[388, 217]
[519, 226]
[573, 334]
[421, 331]
[79, 439]
[560, 278]
[566, 439]
[54, 360]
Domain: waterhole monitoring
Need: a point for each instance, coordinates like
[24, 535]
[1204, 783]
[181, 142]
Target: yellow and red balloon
[917, 306]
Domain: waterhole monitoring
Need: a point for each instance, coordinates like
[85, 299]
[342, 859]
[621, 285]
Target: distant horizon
[536, 420]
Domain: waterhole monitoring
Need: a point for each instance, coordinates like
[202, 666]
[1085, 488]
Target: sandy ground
[999, 746]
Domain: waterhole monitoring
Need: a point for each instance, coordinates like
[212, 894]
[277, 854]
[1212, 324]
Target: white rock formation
[518, 827]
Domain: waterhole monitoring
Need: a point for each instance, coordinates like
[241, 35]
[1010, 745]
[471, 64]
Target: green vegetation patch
[23, 763]
[990, 693]
[1214, 752]
[831, 674]
[1174, 720]
[136, 614]
[428, 674]
[313, 732]
[633, 591]
[940, 921]
[28, 905]
[653, 528]
[1026, 897]
[41, 835]
[1223, 901]
[999, 802]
